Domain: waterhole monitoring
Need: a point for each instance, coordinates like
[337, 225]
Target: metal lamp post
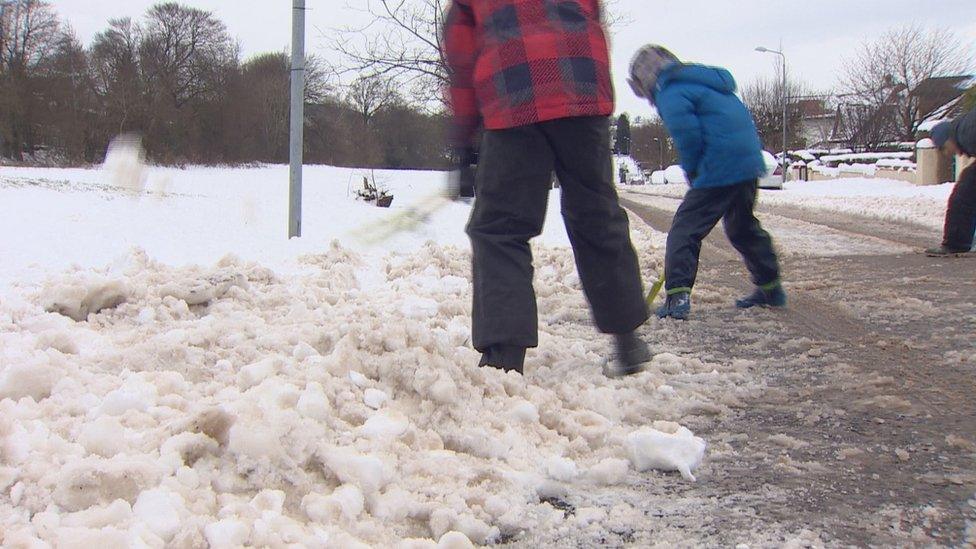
[761, 49]
[296, 137]
[661, 145]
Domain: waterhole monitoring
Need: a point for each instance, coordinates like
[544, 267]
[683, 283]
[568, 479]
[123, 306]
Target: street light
[761, 49]
[661, 157]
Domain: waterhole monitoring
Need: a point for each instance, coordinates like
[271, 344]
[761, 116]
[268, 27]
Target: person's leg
[697, 215]
[512, 188]
[960, 222]
[748, 237]
[598, 227]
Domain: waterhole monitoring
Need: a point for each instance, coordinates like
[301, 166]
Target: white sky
[815, 35]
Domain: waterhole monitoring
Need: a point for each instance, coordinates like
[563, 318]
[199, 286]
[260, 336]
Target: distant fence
[930, 167]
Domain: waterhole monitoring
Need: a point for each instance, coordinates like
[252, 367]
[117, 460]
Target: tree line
[177, 78]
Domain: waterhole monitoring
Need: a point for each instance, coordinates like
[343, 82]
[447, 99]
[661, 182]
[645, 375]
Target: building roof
[934, 93]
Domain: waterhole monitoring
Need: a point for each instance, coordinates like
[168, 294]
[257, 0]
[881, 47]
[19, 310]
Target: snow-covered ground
[175, 372]
[196, 216]
[879, 198]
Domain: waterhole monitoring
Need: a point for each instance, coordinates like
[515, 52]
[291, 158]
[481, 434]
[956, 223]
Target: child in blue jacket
[720, 152]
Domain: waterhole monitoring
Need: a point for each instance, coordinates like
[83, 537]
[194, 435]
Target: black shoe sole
[503, 368]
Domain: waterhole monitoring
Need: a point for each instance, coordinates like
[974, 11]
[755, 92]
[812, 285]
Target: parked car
[772, 180]
[674, 174]
[774, 173]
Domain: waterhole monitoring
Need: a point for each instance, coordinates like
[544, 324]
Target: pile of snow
[674, 448]
[675, 174]
[634, 173]
[879, 198]
[805, 155]
[929, 125]
[897, 164]
[659, 177]
[301, 392]
[865, 157]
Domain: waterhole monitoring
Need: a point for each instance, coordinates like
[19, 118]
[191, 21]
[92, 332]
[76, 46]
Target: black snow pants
[697, 216]
[512, 189]
[960, 221]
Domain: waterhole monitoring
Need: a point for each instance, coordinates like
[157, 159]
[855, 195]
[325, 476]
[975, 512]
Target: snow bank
[878, 198]
[312, 409]
[865, 157]
[299, 392]
[634, 172]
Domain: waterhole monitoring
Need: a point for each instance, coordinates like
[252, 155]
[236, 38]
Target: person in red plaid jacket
[535, 74]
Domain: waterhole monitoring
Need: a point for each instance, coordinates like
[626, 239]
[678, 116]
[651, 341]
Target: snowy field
[175, 372]
[879, 198]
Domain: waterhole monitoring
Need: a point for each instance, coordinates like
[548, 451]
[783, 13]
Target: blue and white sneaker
[764, 296]
[677, 306]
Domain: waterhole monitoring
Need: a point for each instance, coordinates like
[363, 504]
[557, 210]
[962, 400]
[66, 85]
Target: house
[943, 100]
[817, 120]
[870, 126]
[942, 95]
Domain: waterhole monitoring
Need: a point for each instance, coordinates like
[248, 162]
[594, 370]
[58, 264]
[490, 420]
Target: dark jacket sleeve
[460, 45]
[966, 132]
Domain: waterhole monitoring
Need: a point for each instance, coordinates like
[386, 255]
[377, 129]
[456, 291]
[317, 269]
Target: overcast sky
[815, 35]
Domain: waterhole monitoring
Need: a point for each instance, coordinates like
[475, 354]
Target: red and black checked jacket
[518, 62]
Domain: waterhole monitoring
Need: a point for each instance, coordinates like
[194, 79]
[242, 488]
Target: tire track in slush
[817, 319]
[858, 226]
[940, 393]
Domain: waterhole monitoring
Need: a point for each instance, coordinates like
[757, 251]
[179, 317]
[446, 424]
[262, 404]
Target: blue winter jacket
[712, 129]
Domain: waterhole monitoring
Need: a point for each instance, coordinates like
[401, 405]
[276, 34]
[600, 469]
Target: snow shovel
[655, 289]
[408, 219]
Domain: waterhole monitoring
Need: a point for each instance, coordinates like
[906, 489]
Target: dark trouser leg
[960, 222]
[748, 237]
[696, 217]
[598, 227]
[512, 189]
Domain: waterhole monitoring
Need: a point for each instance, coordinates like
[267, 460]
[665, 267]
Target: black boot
[632, 355]
[504, 357]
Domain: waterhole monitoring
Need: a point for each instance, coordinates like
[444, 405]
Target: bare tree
[114, 61]
[404, 42]
[864, 126]
[183, 51]
[765, 97]
[29, 38]
[650, 144]
[371, 94]
[883, 73]
[29, 31]
[66, 89]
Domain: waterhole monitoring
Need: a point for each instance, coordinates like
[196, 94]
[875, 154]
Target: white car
[774, 173]
[674, 174]
[772, 180]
